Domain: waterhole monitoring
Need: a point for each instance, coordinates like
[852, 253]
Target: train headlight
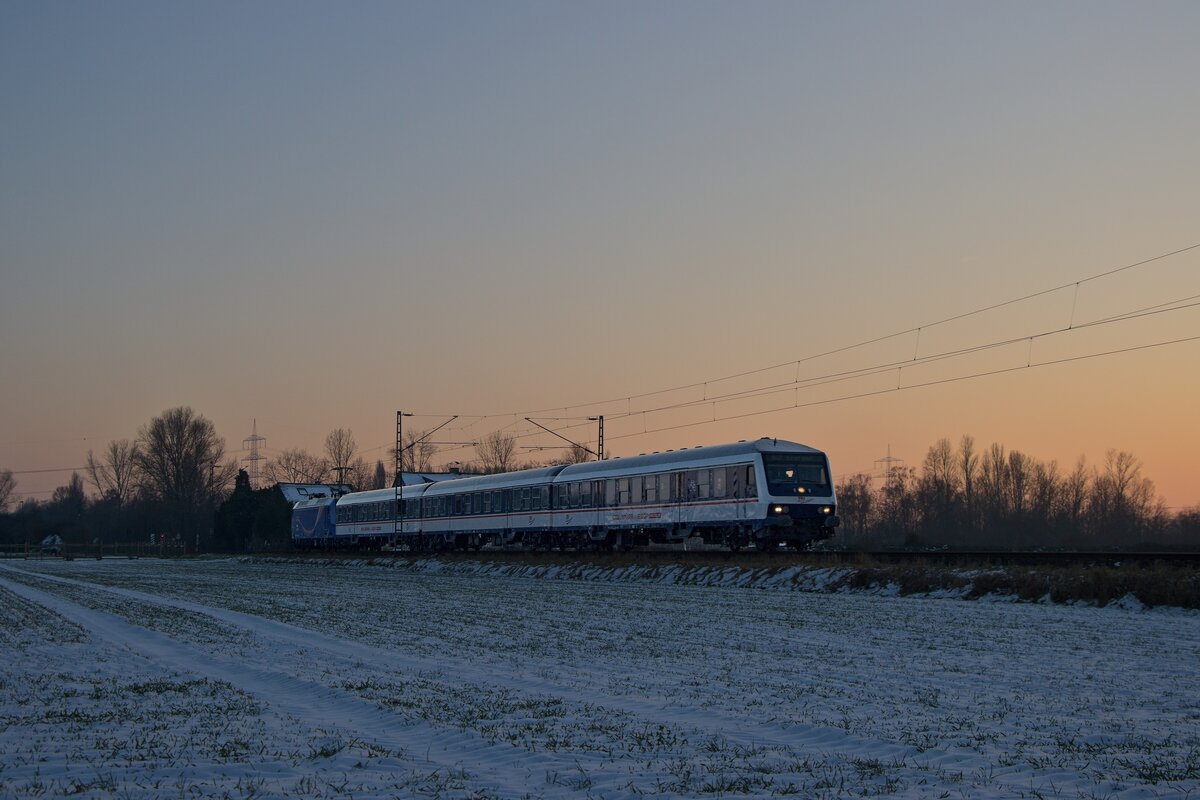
[826, 510]
[800, 490]
[778, 509]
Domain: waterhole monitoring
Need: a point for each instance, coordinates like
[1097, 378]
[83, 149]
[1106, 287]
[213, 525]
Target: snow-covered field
[250, 679]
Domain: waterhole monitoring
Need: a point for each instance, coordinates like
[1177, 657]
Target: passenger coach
[763, 493]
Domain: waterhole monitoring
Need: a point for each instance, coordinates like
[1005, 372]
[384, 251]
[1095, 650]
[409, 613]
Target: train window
[610, 493]
[664, 488]
[487, 502]
[498, 502]
[622, 491]
[651, 489]
[789, 473]
[585, 494]
[545, 497]
[718, 483]
[751, 482]
[703, 484]
[635, 490]
[535, 498]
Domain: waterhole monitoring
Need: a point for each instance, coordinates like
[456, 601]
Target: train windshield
[796, 473]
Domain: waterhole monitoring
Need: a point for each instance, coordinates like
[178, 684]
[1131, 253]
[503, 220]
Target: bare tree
[497, 452]
[940, 488]
[8, 484]
[1123, 501]
[968, 468]
[341, 449]
[297, 466]
[115, 475]
[379, 477]
[181, 461]
[855, 502]
[1075, 496]
[417, 455]
[359, 475]
[577, 454]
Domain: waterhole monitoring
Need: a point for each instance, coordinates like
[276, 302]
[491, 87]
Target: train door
[678, 495]
[736, 481]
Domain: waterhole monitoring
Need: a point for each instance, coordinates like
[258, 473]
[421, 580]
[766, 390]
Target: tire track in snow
[419, 744]
[349, 711]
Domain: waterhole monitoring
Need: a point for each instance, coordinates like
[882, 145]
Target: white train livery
[764, 493]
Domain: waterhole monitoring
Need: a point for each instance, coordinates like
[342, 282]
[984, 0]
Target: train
[766, 494]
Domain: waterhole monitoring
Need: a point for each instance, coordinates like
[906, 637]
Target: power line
[888, 366]
[896, 389]
[40, 471]
[847, 348]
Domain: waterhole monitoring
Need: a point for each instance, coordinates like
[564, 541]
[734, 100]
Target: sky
[306, 216]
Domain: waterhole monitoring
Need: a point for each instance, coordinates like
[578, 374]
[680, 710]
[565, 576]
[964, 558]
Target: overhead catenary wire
[847, 348]
[810, 382]
[1178, 304]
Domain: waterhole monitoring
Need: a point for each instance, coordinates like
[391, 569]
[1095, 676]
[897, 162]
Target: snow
[299, 679]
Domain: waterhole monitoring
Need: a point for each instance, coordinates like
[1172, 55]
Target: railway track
[782, 558]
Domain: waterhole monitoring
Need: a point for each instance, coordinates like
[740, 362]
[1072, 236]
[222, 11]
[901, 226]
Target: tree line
[965, 496]
[175, 480]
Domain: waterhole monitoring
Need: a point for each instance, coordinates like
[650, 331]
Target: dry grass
[1153, 584]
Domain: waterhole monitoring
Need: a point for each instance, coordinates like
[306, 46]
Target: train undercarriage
[733, 538]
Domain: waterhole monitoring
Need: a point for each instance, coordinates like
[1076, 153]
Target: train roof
[501, 480]
[688, 456]
[384, 495]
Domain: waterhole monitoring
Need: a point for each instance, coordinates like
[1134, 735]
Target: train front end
[800, 506]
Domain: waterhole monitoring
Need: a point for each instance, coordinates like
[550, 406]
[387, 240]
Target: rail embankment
[1140, 584]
